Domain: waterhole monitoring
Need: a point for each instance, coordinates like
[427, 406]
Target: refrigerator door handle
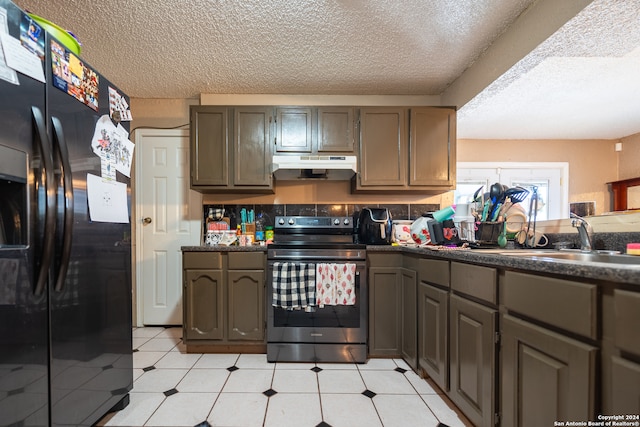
[46, 167]
[67, 177]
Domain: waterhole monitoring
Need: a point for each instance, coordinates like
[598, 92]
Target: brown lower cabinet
[472, 359]
[224, 297]
[409, 338]
[622, 362]
[546, 376]
[384, 308]
[203, 296]
[433, 320]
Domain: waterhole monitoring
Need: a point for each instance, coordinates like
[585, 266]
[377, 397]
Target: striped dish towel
[294, 284]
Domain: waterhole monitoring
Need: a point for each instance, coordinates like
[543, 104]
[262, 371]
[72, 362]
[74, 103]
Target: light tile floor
[173, 388]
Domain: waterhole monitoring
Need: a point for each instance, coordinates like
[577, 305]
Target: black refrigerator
[65, 277]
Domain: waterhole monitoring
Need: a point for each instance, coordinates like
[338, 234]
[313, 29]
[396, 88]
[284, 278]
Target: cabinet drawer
[384, 260]
[202, 260]
[568, 305]
[434, 271]
[627, 320]
[246, 261]
[474, 280]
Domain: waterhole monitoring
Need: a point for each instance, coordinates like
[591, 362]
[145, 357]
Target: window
[550, 179]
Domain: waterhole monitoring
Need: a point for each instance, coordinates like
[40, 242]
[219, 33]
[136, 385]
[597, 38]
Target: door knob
[146, 221]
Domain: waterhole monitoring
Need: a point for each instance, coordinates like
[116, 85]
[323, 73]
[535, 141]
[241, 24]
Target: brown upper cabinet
[209, 140]
[294, 129]
[406, 149]
[336, 130]
[314, 130]
[236, 161]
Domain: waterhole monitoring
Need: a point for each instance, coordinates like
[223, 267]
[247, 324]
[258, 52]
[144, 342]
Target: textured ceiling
[178, 49]
[583, 82]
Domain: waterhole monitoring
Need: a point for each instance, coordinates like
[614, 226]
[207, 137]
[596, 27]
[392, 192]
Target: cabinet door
[252, 149]
[433, 334]
[335, 129]
[384, 311]
[294, 126]
[203, 290]
[409, 317]
[383, 147]
[625, 386]
[209, 142]
[245, 305]
[473, 358]
[546, 376]
[432, 147]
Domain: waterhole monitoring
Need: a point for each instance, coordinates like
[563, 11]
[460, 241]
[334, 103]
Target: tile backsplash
[398, 211]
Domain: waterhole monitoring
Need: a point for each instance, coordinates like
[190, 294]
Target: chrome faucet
[584, 230]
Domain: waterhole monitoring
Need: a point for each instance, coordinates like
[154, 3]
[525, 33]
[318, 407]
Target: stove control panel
[311, 223]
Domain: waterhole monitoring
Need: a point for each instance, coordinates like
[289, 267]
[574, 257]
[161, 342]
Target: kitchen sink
[576, 255]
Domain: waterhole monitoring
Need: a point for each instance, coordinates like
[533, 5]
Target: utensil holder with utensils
[488, 232]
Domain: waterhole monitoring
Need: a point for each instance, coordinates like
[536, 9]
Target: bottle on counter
[260, 228]
[268, 234]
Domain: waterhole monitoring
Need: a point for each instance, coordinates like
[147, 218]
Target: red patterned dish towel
[335, 284]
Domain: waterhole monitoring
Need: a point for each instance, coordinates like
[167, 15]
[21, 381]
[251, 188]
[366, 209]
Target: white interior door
[168, 216]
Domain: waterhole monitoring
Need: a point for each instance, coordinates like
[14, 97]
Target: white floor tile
[144, 359]
[402, 410]
[170, 333]
[340, 382]
[158, 344]
[138, 342]
[183, 409]
[239, 410]
[402, 364]
[444, 413]
[174, 359]
[349, 410]
[203, 380]
[249, 381]
[146, 332]
[387, 382]
[207, 390]
[254, 361]
[378, 364]
[180, 347]
[295, 381]
[139, 410]
[159, 380]
[421, 385]
[289, 366]
[294, 410]
[137, 373]
[217, 361]
[338, 366]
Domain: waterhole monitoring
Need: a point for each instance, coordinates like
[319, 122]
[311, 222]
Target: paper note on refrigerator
[107, 200]
[6, 73]
[20, 59]
[112, 144]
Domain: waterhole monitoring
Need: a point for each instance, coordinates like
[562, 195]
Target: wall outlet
[618, 146]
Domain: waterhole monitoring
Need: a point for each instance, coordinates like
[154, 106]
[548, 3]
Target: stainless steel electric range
[317, 291]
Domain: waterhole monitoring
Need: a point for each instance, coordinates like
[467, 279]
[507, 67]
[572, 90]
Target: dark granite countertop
[629, 274]
[254, 248]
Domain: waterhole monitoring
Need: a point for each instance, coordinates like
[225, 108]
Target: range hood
[330, 167]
